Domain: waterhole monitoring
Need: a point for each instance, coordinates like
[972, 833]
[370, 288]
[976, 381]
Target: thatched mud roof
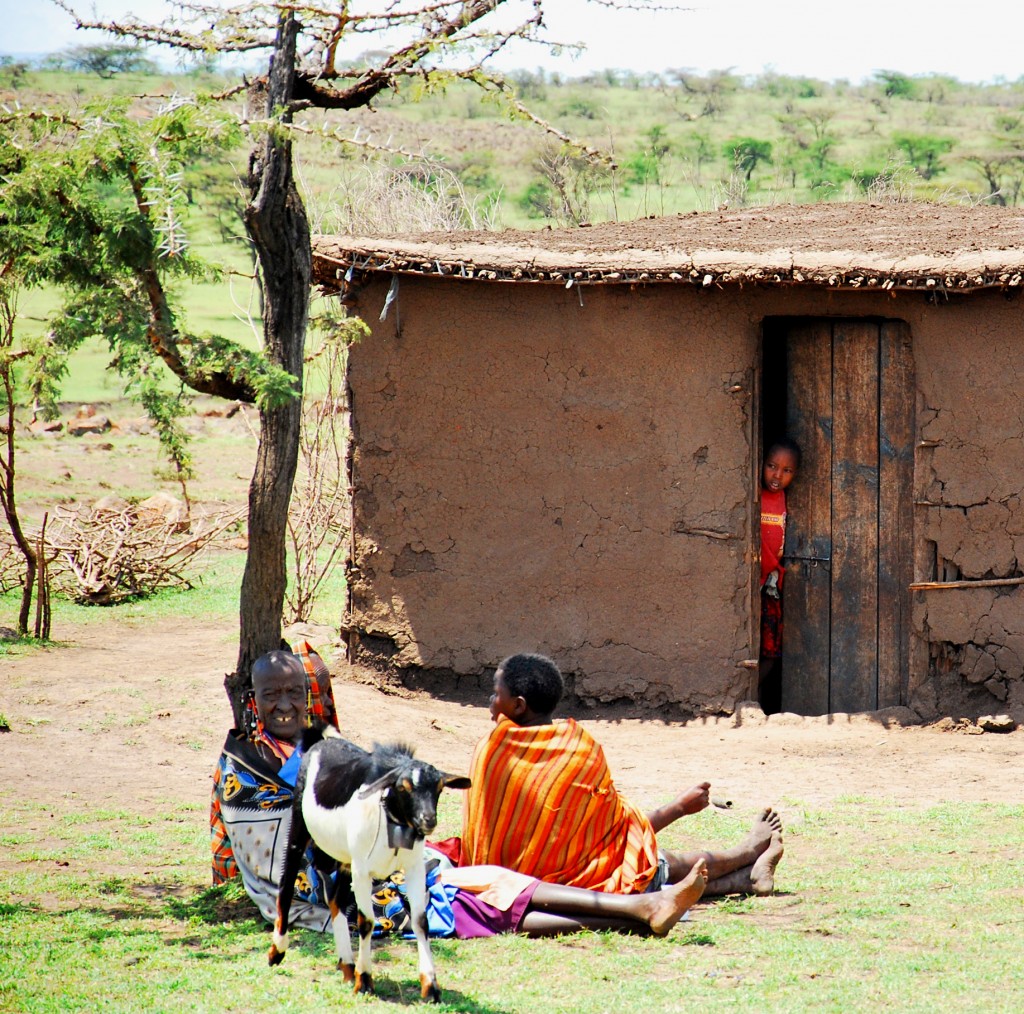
[907, 246]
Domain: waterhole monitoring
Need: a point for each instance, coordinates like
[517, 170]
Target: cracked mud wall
[970, 509]
[533, 474]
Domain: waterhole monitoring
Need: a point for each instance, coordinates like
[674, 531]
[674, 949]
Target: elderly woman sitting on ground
[254, 781]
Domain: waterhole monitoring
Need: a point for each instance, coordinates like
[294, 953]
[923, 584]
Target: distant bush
[105, 60]
[895, 85]
[745, 153]
[923, 152]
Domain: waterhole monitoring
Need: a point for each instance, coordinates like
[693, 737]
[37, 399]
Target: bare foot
[767, 824]
[762, 873]
[670, 903]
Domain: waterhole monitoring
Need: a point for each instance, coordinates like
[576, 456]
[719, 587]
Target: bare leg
[722, 863]
[737, 882]
[555, 908]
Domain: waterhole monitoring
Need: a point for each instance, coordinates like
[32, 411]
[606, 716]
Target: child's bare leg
[726, 861]
[555, 908]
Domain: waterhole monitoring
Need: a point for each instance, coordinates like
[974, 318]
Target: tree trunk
[277, 223]
[7, 490]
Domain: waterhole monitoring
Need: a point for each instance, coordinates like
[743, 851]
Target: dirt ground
[130, 718]
[126, 716]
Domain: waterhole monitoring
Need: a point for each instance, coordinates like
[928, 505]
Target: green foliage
[538, 199]
[13, 73]
[646, 164]
[564, 184]
[98, 206]
[477, 170]
[746, 153]
[923, 152]
[896, 85]
[583, 108]
[105, 59]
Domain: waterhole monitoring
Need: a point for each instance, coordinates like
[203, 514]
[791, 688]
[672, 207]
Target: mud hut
[557, 436]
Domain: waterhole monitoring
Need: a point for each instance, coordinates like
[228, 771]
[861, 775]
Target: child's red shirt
[773, 532]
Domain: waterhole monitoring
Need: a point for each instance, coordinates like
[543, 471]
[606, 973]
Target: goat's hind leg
[298, 839]
[341, 898]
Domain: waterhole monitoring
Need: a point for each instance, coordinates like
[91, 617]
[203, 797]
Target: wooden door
[850, 405]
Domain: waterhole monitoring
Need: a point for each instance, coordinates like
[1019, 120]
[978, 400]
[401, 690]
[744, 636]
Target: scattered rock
[162, 508]
[239, 542]
[996, 723]
[110, 504]
[139, 427]
[51, 426]
[316, 633]
[80, 426]
[85, 412]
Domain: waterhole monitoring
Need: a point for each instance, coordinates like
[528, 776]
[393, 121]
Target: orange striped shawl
[543, 803]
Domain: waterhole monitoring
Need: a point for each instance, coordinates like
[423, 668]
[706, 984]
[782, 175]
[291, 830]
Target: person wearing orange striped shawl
[543, 803]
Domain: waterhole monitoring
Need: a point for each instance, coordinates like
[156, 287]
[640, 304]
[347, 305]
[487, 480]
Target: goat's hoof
[429, 990]
[274, 956]
[347, 970]
[364, 983]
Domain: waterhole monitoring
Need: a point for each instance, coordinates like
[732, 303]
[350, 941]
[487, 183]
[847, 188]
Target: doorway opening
[843, 389]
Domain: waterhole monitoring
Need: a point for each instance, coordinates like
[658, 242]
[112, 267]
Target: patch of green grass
[879, 907]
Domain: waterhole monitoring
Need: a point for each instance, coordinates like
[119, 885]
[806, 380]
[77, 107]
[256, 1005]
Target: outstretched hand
[695, 799]
[691, 801]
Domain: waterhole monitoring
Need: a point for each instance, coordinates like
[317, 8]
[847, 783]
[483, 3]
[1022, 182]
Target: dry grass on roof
[814, 244]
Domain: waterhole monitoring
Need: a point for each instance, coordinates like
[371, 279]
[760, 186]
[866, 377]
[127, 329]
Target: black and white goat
[370, 812]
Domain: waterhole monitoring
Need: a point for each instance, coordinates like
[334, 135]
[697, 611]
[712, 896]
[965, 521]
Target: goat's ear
[456, 782]
[386, 781]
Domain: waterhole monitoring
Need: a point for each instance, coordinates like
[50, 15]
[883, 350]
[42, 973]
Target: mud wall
[531, 473]
[969, 480]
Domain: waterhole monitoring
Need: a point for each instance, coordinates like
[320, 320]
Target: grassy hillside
[675, 143]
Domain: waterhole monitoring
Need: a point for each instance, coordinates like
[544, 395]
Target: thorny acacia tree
[94, 206]
[305, 74]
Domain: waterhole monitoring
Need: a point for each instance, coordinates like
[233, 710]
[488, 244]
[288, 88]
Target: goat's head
[411, 790]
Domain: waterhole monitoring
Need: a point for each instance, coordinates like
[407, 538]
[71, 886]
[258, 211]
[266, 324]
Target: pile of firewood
[117, 550]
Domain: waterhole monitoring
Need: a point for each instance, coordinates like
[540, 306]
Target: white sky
[827, 39]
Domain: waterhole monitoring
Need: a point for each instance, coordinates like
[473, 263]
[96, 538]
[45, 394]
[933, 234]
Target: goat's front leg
[339, 901]
[298, 839]
[362, 885]
[416, 888]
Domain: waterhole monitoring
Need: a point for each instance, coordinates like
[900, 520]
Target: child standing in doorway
[781, 464]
